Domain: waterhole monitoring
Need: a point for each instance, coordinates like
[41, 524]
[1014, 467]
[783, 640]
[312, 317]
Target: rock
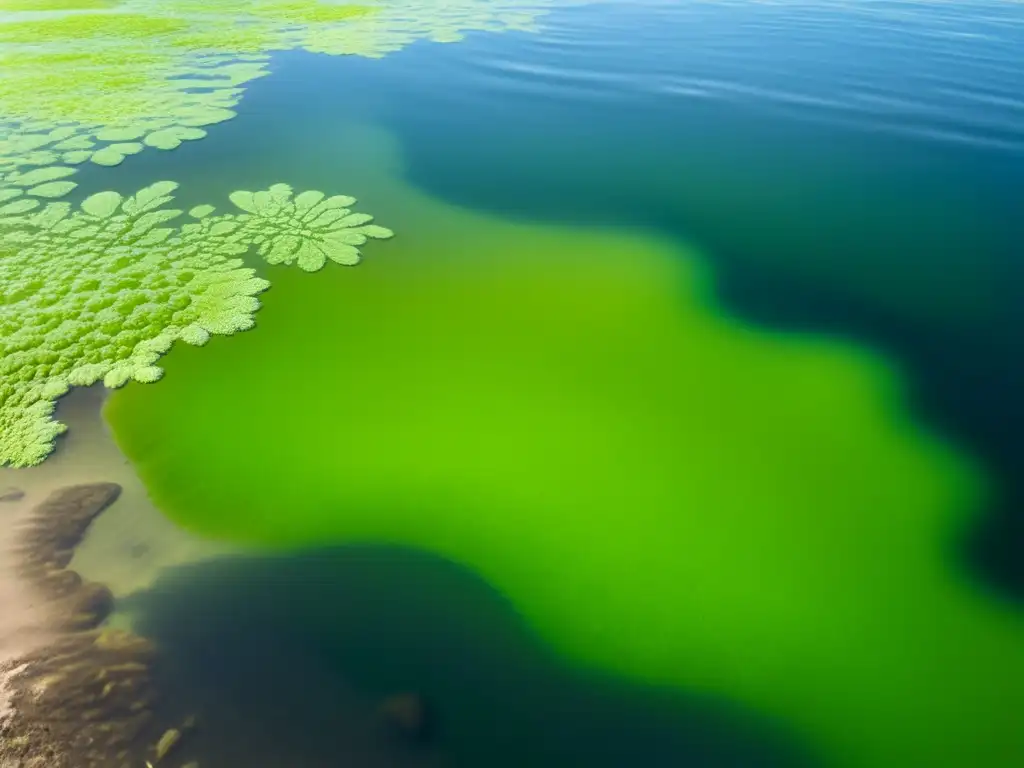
[59, 583]
[47, 545]
[85, 608]
[406, 714]
[58, 524]
[11, 494]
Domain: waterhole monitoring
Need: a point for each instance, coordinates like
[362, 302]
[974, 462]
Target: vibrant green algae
[95, 83]
[100, 293]
[100, 84]
[131, 66]
[56, 5]
[663, 492]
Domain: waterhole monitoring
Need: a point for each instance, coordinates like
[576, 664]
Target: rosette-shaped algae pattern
[309, 229]
[101, 292]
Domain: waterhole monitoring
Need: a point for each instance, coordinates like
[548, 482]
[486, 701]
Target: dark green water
[782, 477]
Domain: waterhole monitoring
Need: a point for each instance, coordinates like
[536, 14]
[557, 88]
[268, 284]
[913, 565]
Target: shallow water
[679, 424]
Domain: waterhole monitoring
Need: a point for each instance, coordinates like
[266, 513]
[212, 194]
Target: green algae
[162, 72]
[662, 492]
[56, 5]
[151, 75]
[115, 68]
[99, 294]
[85, 26]
[309, 230]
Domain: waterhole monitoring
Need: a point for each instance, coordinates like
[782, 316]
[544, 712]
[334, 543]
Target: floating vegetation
[100, 293]
[308, 230]
[159, 72]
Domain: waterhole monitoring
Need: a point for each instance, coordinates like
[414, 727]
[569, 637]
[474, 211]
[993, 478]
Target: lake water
[679, 423]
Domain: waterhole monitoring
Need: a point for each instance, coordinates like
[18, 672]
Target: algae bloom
[661, 491]
[101, 292]
[107, 289]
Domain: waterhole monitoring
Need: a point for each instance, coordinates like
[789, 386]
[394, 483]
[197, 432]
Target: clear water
[680, 423]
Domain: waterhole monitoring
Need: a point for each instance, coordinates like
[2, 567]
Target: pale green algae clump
[100, 293]
[161, 72]
[662, 492]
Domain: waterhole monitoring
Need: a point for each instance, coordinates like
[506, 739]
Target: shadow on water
[277, 648]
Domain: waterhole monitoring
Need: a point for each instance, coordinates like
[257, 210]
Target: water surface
[699, 344]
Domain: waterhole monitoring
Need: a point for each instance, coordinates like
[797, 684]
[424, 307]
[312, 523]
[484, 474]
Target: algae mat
[662, 491]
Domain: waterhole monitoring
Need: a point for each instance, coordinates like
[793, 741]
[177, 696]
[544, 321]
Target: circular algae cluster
[98, 293]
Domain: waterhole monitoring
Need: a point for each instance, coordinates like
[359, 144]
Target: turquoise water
[800, 220]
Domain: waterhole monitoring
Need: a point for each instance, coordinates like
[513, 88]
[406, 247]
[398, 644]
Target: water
[679, 424]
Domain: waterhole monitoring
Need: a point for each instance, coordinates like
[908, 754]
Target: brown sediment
[84, 697]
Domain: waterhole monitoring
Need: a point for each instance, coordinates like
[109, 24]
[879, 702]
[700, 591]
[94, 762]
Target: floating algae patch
[56, 5]
[85, 26]
[661, 491]
[100, 293]
[133, 66]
